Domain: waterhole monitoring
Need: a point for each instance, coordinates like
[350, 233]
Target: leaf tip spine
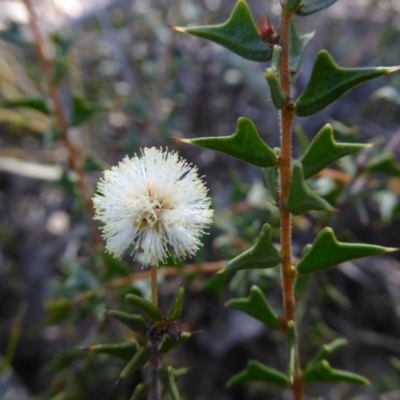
[177, 28]
[177, 139]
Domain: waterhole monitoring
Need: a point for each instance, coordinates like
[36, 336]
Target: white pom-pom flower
[157, 203]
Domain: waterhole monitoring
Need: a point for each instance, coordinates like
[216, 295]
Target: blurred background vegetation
[126, 81]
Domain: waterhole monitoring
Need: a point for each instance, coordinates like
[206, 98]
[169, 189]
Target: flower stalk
[154, 285]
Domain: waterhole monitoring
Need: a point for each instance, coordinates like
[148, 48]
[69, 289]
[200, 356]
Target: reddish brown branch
[74, 152]
[286, 116]
[211, 267]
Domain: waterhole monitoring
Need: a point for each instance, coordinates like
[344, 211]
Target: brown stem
[154, 286]
[200, 268]
[74, 156]
[286, 119]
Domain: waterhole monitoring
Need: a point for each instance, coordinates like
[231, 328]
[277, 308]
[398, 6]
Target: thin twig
[210, 268]
[74, 153]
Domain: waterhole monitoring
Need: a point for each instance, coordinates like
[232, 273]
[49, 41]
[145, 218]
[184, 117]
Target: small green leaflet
[83, 110]
[141, 391]
[297, 46]
[34, 103]
[328, 82]
[138, 361]
[327, 252]
[121, 350]
[319, 370]
[151, 311]
[167, 378]
[257, 306]
[238, 34]
[175, 310]
[262, 254]
[301, 199]
[245, 144]
[324, 150]
[133, 321]
[323, 372]
[258, 372]
[308, 7]
[385, 163]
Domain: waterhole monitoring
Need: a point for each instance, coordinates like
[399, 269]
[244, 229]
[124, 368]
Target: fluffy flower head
[157, 203]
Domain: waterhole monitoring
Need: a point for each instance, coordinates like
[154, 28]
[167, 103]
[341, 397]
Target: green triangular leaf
[297, 46]
[238, 34]
[328, 82]
[301, 199]
[277, 95]
[291, 5]
[13, 34]
[114, 268]
[93, 162]
[138, 361]
[385, 164]
[34, 103]
[61, 44]
[132, 321]
[258, 372]
[57, 310]
[153, 312]
[167, 378]
[323, 151]
[276, 56]
[215, 284]
[326, 352]
[257, 306]
[301, 137]
[170, 344]
[271, 176]
[245, 144]
[60, 61]
[327, 252]
[323, 372]
[175, 310]
[141, 391]
[262, 254]
[301, 285]
[82, 111]
[308, 7]
[121, 350]
[272, 77]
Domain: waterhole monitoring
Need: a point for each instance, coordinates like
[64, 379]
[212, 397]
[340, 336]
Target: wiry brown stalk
[286, 119]
[74, 153]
